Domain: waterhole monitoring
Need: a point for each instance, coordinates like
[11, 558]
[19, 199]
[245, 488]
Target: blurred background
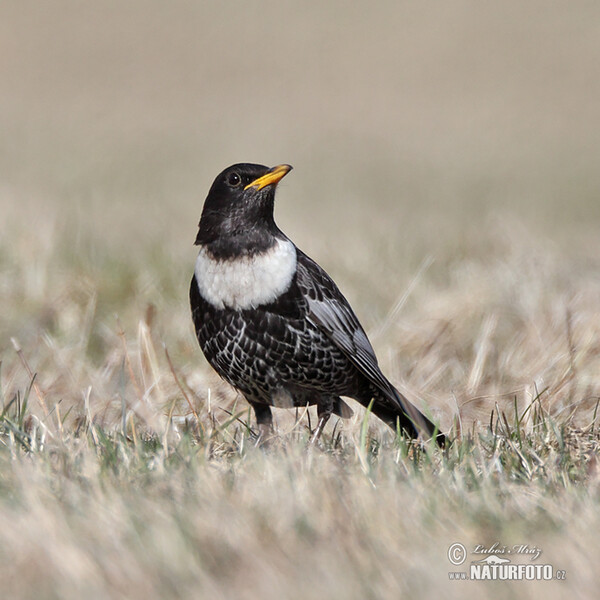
[445, 163]
[446, 175]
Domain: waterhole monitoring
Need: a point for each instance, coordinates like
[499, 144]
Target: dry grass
[446, 176]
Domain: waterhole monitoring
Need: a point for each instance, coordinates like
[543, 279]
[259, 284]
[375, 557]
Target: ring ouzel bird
[273, 323]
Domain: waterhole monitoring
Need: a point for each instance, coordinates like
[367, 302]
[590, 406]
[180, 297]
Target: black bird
[270, 320]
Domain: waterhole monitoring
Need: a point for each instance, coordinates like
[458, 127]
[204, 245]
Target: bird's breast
[246, 281]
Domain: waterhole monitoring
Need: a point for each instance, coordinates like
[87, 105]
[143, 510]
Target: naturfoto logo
[497, 563]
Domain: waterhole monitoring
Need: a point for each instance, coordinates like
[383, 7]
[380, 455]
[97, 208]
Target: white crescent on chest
[248, 281]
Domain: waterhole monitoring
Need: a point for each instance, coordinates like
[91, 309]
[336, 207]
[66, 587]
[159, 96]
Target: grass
[445, 174]
[198, 509]
[127, 469]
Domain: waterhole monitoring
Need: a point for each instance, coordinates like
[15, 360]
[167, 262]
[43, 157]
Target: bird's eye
[234, 179]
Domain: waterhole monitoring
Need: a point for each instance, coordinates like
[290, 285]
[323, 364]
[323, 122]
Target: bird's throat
[245, 280]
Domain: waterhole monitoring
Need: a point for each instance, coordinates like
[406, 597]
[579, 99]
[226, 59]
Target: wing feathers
[329, 310]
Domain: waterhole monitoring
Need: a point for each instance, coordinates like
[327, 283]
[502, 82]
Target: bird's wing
[329, 310]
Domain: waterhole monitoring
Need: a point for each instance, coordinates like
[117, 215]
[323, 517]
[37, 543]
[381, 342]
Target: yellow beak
[273, 176]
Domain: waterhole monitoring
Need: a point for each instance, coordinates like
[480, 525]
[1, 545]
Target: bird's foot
[314, 438]
[265, 435]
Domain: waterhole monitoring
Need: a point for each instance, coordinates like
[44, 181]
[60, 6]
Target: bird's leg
[264, 420]
[324, 410]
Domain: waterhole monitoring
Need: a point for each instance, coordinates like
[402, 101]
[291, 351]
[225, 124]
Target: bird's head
[239, 206]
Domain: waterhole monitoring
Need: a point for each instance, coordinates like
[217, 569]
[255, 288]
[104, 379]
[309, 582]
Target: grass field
[446, 175]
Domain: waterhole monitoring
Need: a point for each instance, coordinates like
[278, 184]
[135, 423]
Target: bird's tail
[395, 410]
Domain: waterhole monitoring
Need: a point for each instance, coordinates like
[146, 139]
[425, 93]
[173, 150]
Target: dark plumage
[272, 323]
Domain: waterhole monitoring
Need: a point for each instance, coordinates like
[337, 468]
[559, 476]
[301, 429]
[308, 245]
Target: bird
[273, 324]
